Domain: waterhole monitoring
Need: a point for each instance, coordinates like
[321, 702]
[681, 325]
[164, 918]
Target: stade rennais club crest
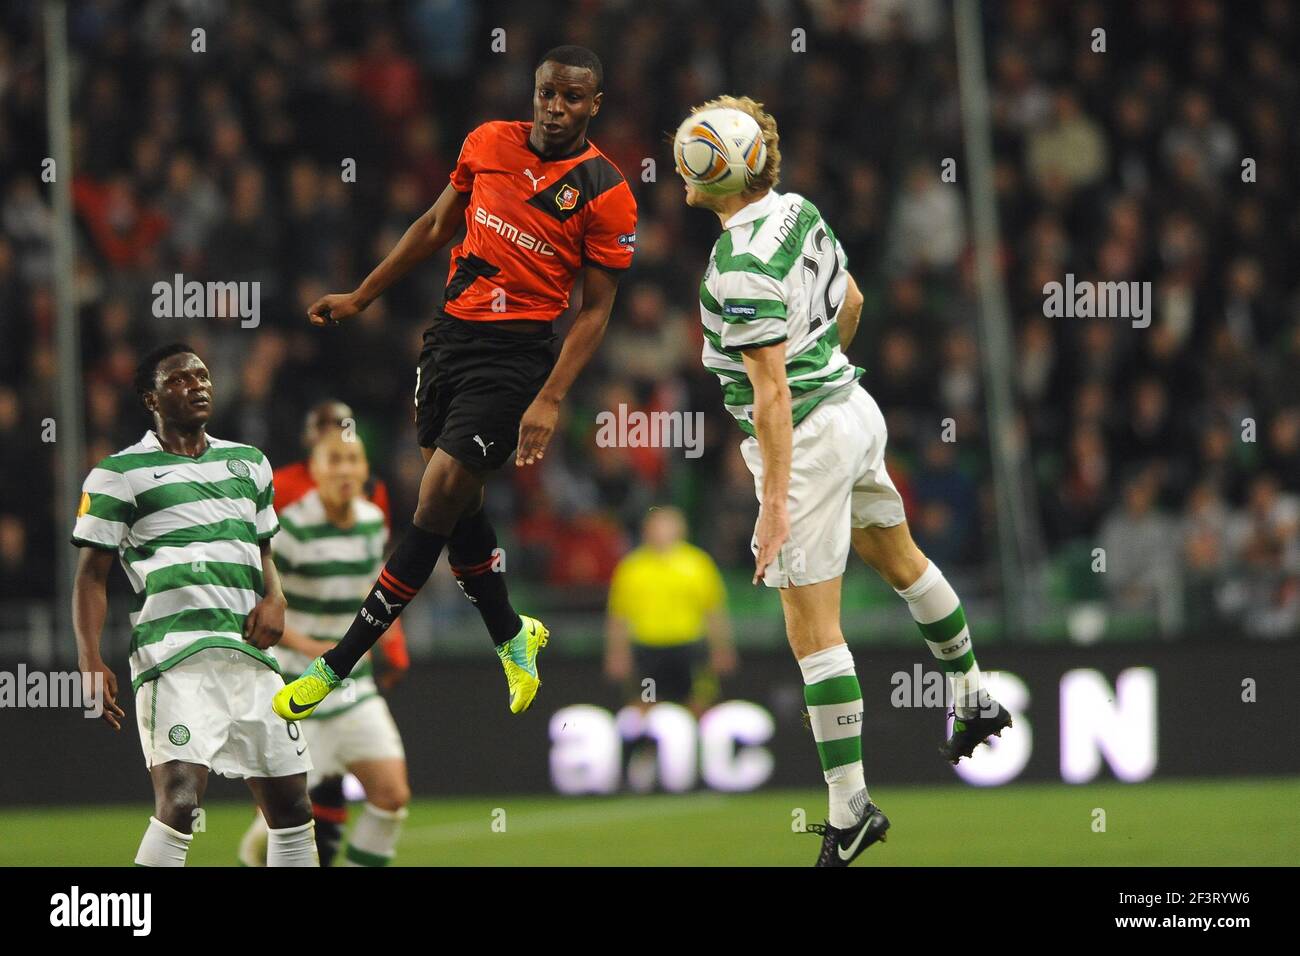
[567, 198]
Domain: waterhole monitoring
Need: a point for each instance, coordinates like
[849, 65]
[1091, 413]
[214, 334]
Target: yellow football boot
[298, 698]
[519, 660]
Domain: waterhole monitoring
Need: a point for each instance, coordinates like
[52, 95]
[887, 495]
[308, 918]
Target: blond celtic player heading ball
[779, 307]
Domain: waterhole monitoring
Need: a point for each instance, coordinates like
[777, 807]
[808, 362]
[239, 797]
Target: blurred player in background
[542, 206]
[292, 481]
[667, 619]
[779, 307]
[191, 518]
[331, 543]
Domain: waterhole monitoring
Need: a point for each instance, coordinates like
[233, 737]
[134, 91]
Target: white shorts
[214, 709]
[363, 732]
[838, 481]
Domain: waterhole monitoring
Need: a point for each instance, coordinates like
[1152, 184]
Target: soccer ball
[719, 150]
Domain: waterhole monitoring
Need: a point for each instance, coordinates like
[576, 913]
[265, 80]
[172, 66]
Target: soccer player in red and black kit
[541, 206]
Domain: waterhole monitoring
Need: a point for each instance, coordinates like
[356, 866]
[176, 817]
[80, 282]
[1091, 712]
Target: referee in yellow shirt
[668, 618]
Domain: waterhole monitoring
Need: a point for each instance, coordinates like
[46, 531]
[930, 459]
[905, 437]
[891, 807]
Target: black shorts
[680, 671]
[473, 385]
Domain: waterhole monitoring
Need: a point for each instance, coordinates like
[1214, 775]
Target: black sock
[330, 811]
[398, 583]
[471, 551]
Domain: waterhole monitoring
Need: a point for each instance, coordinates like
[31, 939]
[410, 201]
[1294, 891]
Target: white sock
[938, 613]
[845, 781]
[374, 838]
[163, 846]
[292, 846]
[848, 789]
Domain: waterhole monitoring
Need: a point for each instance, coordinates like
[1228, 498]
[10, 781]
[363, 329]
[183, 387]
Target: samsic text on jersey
[531, 224]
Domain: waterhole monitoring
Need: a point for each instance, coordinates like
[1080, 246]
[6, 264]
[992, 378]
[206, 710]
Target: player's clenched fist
[264, 625]
[333, 309]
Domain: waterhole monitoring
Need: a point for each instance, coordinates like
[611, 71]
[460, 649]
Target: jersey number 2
[825, 310]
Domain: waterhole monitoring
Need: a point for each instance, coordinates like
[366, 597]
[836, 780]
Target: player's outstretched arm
[425, 237]
[774, 428]
[89, 610]
[850, 313]
[599, 287]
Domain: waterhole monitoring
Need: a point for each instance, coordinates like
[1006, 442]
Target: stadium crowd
[1176, 447]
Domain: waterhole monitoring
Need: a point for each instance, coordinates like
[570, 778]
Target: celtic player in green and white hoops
[779, 307]
[330, 547]
[190, 517]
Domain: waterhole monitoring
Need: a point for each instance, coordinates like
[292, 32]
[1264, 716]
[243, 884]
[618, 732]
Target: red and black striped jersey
[532, 223]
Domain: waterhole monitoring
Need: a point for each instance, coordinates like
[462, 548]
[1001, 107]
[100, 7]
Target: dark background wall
[461, 738]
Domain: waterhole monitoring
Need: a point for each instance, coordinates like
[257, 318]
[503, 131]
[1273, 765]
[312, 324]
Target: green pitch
[1213, 823]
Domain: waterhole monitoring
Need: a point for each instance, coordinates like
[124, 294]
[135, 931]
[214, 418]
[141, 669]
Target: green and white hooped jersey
[327, 573]
[188, 532]
[776, 274]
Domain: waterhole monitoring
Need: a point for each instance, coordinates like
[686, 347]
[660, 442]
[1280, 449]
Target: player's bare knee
[177, 805]
[288, 812]
[901, 572]
[440, 508]
[448, 491]
[432, 517]
[893, 555]
[898, 571]
[390, 797]
[910, 566]
[807, 637]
